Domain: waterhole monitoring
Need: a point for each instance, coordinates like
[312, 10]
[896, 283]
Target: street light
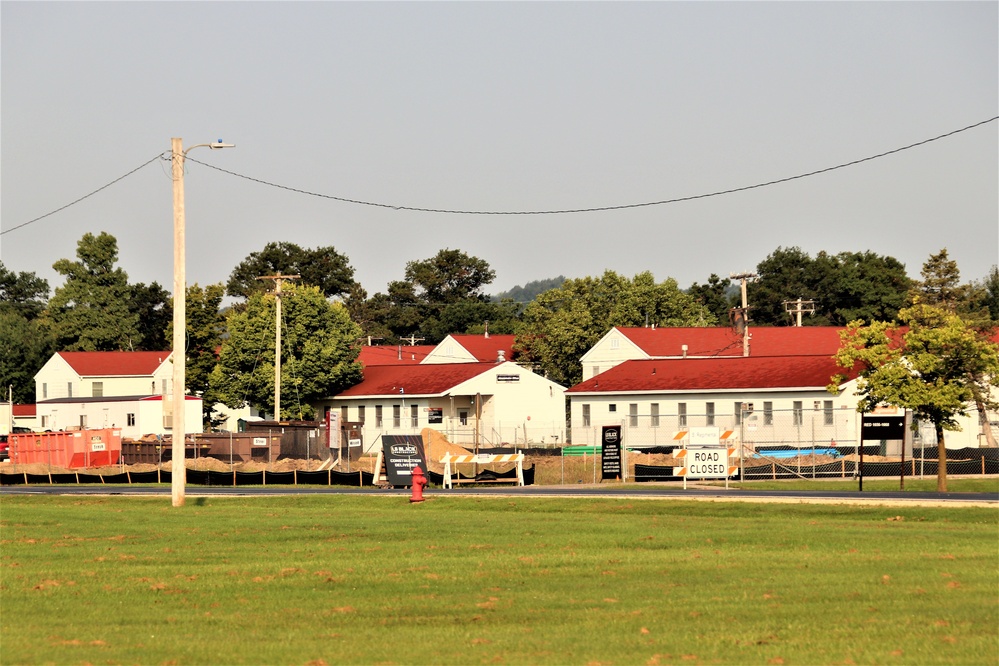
[178, 471]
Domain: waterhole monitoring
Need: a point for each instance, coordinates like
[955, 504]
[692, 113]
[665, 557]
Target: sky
[499, 107]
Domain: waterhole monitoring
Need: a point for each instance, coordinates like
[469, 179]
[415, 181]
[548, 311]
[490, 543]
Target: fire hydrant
[419, 481]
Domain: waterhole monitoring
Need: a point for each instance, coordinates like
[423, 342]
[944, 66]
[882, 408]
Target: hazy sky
[501, 107]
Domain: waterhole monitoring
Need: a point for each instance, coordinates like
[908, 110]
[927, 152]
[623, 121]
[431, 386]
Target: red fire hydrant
[419, 481]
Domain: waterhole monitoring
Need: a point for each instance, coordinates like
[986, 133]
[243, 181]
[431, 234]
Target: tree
[717, 296]
[448, 277]
[24, 293]
[152, 304]
[205, 330]
[322, 267]
[562, 324]
[941, 283]
[25, 346]
[319, 352]
[843, 287]
[987, 294]
[90, 312]
[527, 293]
[936, 366]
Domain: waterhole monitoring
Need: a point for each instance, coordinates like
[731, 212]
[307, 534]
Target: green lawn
[375, 580]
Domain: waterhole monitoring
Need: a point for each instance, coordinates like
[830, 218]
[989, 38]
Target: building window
[45, 390]
[97, 389]
[738, 413]
[654, 419]
[463, 417]
[586, 416]
[709, 413]
[615, 343]
[343, 414]
[378, 416]
[360, 414]
[130, 419]
[633, 415]
[796, 408]
[681, 414]
[414, 416]
[69, 390]
[396, 416]
[612, 408]
[166, 385]
[83, 420]
[827, 412]
[45, 421]
[768, 413]
[596, 370]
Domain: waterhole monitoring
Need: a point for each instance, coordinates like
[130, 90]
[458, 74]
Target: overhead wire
[564, 211]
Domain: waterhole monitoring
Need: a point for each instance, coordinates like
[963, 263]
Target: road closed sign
[704, 462]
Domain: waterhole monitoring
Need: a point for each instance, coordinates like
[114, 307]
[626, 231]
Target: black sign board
[435, 415]
[876, 426]
[610, 451]
[401, 454]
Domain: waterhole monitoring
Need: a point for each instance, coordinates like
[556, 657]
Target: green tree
[941, 284]
[24, 293]
[527, 293]
[448, 277]
[90, 312]
[318, 359]
[322, 267]
[987, 294]
[205, 331]
[717, 296]
[25, 346]
[562, 324]
[152, 304]
[936, 365]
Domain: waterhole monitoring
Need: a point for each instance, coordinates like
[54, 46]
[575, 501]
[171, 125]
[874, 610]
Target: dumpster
[71, 450]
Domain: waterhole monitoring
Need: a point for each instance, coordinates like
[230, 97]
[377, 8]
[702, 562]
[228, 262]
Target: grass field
[374, 580]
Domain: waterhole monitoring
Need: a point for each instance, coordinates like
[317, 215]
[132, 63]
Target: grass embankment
[363, 580]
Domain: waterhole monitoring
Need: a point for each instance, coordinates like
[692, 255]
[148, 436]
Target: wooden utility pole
[798, 308]
[743, 279]
[278, 279]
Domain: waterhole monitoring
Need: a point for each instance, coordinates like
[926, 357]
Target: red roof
[386, 355]
[429, 379]
[24, 410]
[115, 363]
[486, 349]
[724, 341]
[714, 374]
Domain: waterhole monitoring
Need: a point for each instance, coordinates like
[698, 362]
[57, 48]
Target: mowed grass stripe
[374, 580]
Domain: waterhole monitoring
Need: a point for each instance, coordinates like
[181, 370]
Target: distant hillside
[529, 291]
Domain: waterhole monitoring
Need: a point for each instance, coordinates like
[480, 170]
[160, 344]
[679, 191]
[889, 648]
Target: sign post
[610, 452]
[878, 427]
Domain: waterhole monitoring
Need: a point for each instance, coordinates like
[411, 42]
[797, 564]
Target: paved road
[631, 491]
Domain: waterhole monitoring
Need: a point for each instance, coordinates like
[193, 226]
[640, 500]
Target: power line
[598, 208]
[86, 196]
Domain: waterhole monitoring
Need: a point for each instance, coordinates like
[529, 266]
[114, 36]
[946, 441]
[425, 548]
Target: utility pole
[412, 339]
[743, 279]
[800, 307]
[278, 279]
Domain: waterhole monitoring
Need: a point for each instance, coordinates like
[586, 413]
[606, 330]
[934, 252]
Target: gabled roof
[485, 348]
[387, 355]
[714, 374]
[724, 341]
[413, 380]
[115, 363]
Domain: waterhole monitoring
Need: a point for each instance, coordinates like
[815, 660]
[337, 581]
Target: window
[396, 416]
[45, 390]
[83, 420]
[97, 389]
[69, 390]
[463, 417]
[596, 370]
[633, 415]
[654, 419]
[615, 343]
[414, 416]
[343, 414]
[45, 421]
[827, 412]
[681, 414]
[612, 408]
[768, 413]
[798, 420]
[360, 414]
[130, 419]
[166, 384]
[586, 416]
[378, 416]
[709, 413]
[738, 413]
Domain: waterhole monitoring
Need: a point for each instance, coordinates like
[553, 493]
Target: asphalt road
[631, 491]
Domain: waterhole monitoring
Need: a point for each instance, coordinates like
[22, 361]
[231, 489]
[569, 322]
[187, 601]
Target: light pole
[177, 425]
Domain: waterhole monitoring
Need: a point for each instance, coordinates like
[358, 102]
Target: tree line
[327, 315]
